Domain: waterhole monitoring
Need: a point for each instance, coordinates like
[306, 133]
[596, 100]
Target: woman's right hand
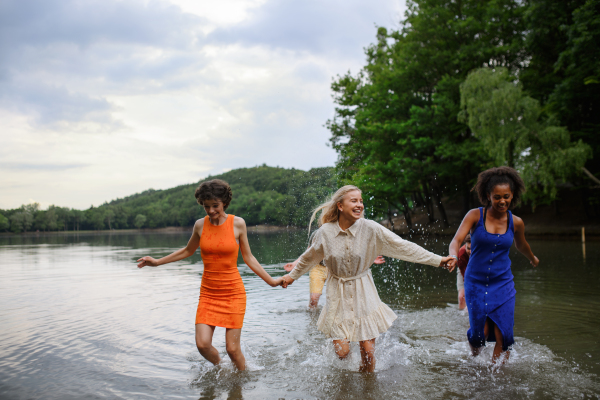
[147, 261]
[449, 263]
[287, 280]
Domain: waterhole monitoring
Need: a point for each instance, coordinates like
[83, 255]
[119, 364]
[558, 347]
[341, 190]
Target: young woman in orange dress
[222, 294]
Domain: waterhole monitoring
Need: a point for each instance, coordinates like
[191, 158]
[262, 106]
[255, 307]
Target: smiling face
[352, 206]
[214, 208]
[500, 197]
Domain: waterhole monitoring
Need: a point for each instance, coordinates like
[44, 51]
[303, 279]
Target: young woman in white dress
[348, 244]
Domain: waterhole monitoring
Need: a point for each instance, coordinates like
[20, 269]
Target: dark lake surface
[78, 320]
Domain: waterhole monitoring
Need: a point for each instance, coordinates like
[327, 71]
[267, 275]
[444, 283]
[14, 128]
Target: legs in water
[367, 356]
[367, 353]
[234, 350]
[497, 354]
[314, 300]
[204, 335]
[462, 304]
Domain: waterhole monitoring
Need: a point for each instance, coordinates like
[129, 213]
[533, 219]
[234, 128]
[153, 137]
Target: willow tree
[514, 131]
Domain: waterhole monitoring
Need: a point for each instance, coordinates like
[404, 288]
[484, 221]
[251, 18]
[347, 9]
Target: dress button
[486, 284]
[486, 305]
[486, 292]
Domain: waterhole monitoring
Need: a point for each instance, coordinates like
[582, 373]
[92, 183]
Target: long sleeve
[394, 246]
[460, 283]
[312, 256]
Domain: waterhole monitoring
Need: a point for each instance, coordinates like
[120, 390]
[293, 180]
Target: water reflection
[79, 320]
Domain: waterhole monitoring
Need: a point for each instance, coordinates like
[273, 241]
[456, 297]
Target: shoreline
[165, 230]
[534, 232]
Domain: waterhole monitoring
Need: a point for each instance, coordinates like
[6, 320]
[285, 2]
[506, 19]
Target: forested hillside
[261, 195]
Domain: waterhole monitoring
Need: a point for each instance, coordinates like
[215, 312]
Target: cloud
[313, 26]
[101, 99]
[62, 58]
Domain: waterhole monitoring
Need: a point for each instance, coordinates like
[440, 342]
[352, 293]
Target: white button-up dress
[353, 309]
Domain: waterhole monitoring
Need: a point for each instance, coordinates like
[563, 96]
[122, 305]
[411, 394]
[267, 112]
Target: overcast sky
[101, 99]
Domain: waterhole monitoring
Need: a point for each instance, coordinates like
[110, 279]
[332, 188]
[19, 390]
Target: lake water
[78, 320]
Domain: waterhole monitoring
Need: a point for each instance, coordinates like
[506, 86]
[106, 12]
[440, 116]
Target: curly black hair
[488, 179]
[215, 189]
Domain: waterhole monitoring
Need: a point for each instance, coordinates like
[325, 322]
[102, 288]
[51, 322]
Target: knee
[233, 349]
[342, 353]
[342, 349]
[203, 345]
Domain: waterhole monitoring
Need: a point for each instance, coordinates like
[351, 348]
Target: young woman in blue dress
[489, 286]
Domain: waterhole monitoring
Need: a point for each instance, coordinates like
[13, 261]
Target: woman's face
[352, 206]
[214, 208]
[500, 197]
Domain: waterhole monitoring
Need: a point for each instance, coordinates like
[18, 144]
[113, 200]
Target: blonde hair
[329, 210]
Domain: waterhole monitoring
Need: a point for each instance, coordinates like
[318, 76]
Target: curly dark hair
[488, 179]
[467, 239]
[215, 189]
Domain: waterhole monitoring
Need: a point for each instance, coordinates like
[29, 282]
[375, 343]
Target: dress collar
[352, 230]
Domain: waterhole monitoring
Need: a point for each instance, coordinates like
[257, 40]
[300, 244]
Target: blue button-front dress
[489, 285]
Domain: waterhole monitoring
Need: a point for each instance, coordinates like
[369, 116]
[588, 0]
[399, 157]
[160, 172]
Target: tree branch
[590, 175]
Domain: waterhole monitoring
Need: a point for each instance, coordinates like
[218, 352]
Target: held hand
[288, 267]
[147, 261]
[535, 261]
[379, 260]
[276, 282]
[448, 263]
[287, 281]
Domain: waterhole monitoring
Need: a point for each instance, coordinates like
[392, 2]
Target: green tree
[563, 43]
[512, 129]
[4, 223]
[140, 220]
[395, 127]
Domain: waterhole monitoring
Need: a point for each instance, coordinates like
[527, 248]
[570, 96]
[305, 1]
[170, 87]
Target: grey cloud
[55, 53]
[311, 25]
[42, 167]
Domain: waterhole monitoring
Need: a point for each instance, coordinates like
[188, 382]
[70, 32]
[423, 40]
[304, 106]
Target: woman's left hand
[535, 261]
[449, 263]
[379, 260]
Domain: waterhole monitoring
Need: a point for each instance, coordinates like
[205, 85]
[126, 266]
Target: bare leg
[314, 300]
[342, 348]
[204, 335]
[498, 348]
[234, 350]
[367, 356]
[461, 299]
[486, 332]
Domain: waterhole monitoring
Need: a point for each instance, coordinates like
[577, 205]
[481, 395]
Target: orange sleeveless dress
[222, 294]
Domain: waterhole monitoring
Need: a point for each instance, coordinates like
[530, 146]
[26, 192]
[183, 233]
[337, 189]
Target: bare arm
[180, 254]
[249, 259]
[468, 222]
[520, 242]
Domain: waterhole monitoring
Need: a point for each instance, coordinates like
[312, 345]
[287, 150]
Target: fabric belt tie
[332, 311]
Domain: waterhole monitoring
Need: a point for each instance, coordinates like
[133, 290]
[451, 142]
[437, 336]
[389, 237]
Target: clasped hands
[448, 263]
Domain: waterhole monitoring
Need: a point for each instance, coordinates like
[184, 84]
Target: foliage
[4, 223]
[510, 126]
[395, 127]
[261, 195]
[563, 42]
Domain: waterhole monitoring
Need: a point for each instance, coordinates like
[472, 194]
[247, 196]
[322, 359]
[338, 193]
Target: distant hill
[261, 195]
